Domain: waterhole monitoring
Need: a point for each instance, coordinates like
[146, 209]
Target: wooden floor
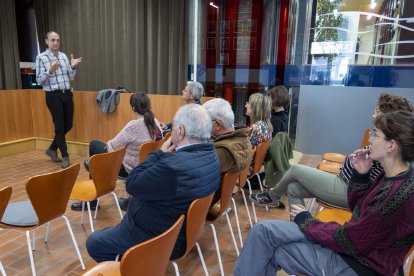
[58, 256]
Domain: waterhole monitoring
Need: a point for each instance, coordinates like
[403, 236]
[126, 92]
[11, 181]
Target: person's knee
[91, 247]
[293, 189]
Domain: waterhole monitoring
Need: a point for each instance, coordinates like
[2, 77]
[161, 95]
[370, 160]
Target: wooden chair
[240, 185]
[146, 148]
[221, 208]
[257, 162]
[330, 167]
[195, 221]
[49, 196]
[147, 258]
[168, 135]
[5, 195]
[340, 158]
[334, 157]
[332, 214]
[104, 169]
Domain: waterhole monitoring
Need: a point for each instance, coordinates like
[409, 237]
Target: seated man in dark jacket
[233, 147]
[163, 187]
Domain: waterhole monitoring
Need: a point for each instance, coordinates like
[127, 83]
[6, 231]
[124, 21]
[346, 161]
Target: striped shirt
[347, 171]
[61, 78]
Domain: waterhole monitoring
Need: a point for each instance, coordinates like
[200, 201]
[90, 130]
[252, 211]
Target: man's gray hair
[197, 89]
[220, 109]
[196, 122]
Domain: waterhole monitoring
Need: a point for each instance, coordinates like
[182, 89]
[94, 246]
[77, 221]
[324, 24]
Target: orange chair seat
[330, 167]
[334, 157]
[109, 268]
[336, 215]
[84, 190]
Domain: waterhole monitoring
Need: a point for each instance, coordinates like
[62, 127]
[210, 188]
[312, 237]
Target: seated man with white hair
[163, 186]
[233, 147]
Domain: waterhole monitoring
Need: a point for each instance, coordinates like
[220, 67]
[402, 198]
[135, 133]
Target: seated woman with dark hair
[136, 132]
[377, 237]
[279, 116]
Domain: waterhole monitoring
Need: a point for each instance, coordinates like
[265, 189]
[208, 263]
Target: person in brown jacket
[233, 147]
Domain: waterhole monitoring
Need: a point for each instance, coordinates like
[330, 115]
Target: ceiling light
[212, 4]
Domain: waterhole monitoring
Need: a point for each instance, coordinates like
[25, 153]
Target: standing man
[54, 73]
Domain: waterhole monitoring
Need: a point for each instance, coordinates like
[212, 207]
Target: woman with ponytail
[145, 128]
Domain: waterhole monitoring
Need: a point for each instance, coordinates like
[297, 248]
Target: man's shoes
[123, 203]
[86, 165]
[53, 155]
[65, 162]
[264, 199]
[77, 206]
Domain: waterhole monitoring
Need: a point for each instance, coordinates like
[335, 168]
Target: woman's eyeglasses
[373, 134]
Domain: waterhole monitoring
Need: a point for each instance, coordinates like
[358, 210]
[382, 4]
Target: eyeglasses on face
[373, 134]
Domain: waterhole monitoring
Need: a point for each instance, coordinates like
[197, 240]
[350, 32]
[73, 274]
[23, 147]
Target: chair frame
[242, 182]
[195, 220]
[5, 195]
[228, 183]
[58, 198]
[258, 159]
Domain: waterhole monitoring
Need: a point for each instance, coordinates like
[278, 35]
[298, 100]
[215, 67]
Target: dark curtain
[139, 44]
[9, 47]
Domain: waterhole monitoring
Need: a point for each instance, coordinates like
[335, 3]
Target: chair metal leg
[309, 204]
[177, 272]
[247, 208]
[83, 208]
[117, 258]
[232, 234]
[2, 271]
[47, 231]
[117, 204]
[30, 253]
[237, 221]
[202, 259]
[253, 208]
[74, 241]
[217, 248]
[33, 241]
[96, 208]
[261, 188]
[90, 216]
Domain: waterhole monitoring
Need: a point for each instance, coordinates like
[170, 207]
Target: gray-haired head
[197, 89]
[196, 122]
[220, 109]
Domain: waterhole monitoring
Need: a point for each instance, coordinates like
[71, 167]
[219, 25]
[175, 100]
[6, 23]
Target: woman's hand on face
[163, 126]
[296, 209]
[361, 160]
[168, 146]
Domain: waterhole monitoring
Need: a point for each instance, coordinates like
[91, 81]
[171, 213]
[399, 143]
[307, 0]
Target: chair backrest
[259, 156]
[168, 135]
[104, 169]
[151, 257]
[365, 138]
[243, 177]
[227, 185]
[196, 218]
[49, 193]
[5, 195]
[146, 148]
